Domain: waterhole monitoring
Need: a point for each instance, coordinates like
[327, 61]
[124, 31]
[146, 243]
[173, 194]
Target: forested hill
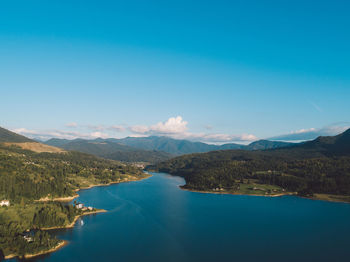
[30, 175]
[172, 146]
[30, 171]
[152, 149]
[11, 137]
[330, 145]
[180, 147]
[323, 146]
[266, 144]
[318, 166]
[111, 150]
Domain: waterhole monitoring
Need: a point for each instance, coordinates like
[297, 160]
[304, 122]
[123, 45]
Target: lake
[154, 220]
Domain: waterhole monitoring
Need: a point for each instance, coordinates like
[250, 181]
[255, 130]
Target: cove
[154, 220]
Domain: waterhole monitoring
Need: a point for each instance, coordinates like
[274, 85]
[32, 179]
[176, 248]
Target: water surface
[154, 220]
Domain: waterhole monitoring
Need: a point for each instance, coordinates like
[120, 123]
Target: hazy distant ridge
[151, 149]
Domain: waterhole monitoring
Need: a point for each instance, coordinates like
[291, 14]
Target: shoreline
[53, 249]
[71, 225]
[70, 198]
[236, 194]
[112, 183]
[60, 245]
[318, 197]
[328, 198]
[63, 242]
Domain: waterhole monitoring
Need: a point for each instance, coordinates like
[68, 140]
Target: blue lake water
[154, 220]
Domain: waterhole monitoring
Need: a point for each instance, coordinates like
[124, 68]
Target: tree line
[225, 169]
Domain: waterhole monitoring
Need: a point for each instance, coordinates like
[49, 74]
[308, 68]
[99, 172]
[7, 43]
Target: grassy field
[248, 187]
[335, 198]
[259, 189]
[36, 147]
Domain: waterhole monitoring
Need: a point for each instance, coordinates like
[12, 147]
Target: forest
[26, 220]
[29, 175]
[321, 166]
[26, 176]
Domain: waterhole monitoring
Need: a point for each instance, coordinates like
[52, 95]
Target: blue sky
[214, 71]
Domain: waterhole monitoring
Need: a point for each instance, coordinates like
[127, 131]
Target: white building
[28, 238]
[4, 203]
[79, 206]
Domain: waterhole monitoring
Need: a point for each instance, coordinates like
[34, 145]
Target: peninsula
[318, 169]
[34, 179]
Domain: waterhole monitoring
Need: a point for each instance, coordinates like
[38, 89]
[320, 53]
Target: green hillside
[172, 146]
[181, 147]
[27, 176]
[110, 149]
[11, 137]
[321, 166]
[266, 144]
[151, 149]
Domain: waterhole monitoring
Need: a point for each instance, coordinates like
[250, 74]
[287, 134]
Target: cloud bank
[175, 127]
[312, 133]
[47, 134]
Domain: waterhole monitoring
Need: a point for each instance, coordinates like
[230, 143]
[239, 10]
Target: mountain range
[109, 149]
[151, 149]
[319, 166]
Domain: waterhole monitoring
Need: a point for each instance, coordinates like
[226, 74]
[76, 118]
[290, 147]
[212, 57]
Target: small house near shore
[28, 238]
[79, 206]
[4, 203]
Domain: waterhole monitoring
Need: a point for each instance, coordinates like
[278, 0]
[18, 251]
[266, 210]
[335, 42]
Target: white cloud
[312, 133]
[72, 124]
[137, 135]
[95, 127]
[98, 135]
[47, 134]
[117, 128]
[302, 131]
[176, 127]
[100, 128]
[23, 131]
[90, 132]
[215, 138]
[139, 129]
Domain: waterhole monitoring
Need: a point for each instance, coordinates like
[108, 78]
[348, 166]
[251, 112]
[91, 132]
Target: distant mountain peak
[267, 144]
[331, 145]
[346, 132]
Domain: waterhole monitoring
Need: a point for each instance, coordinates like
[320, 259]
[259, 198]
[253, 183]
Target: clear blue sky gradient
[256, 67]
